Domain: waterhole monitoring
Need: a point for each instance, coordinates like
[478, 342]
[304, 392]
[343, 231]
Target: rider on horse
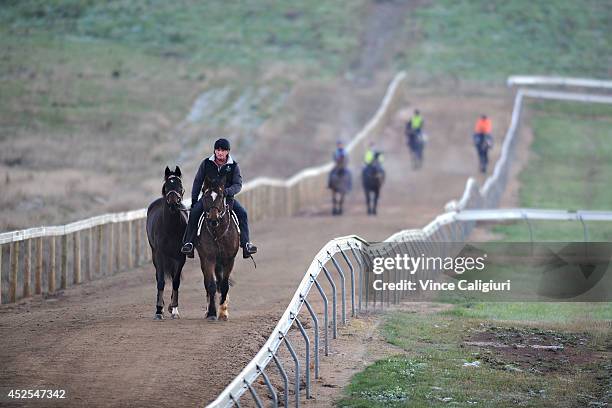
[218, 165]
[482, 130]
[482, 139]
[414, 128]
[340, 158]
[372, 155]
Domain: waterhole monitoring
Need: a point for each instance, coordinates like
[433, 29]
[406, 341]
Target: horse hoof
[175, 313]
[223, 317]
[211, 318]
[158, 316]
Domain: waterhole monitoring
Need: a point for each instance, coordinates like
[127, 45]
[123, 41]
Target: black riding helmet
[222, 144]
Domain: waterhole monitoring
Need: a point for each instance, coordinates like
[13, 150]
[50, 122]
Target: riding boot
[192, 229]
[248, 248]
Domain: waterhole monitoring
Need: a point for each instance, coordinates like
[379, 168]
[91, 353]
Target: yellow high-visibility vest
[416, 121]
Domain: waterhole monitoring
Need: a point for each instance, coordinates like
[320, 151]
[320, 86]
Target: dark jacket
[209, 169]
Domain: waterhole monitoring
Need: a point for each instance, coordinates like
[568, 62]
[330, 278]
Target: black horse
[372, 177]
[416, 143]
[217, 246]
[483, 143]
[166, 225]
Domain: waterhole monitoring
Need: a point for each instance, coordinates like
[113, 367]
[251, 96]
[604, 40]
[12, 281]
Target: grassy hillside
[82, 61]
[97, 96]
[216, 34]
[491, 39]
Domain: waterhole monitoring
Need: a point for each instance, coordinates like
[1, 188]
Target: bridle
[222, 215]
[179, 194]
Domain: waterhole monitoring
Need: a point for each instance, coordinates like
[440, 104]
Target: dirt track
[99, 343]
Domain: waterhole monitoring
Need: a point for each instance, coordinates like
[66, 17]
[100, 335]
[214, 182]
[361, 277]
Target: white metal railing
[559, 81]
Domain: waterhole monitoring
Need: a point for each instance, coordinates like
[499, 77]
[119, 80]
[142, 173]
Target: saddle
[202, 220]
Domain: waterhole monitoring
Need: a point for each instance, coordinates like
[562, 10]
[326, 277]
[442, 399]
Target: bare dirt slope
[98, 340]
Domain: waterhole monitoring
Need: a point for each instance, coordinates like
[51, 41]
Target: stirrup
[248, 250]
[187, 248]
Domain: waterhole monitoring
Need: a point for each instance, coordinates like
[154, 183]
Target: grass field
[489, 40]
[569, 168]
[451, 360]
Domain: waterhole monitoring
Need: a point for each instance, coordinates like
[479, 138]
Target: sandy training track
[98, 340]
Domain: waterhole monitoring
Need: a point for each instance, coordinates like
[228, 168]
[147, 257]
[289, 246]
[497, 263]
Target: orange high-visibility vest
[483, 126]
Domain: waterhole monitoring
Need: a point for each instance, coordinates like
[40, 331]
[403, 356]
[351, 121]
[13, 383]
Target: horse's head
[173, 190]
[214, 200]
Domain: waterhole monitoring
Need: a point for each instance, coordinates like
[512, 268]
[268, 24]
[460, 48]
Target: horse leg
[176, 282]
[367, 197]
[334, 212]
[375, 201]
[161, 282]
[224, 289]
[211, 287]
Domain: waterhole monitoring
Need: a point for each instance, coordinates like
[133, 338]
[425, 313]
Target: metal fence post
[334, 306]
[269, 385]
[281, 369]
[307, 344]
[359, 277]
[352, 270]
[235, 401]
[315, 320]
[326, 318]
[297, 369]
[254, 394]
[343, 287]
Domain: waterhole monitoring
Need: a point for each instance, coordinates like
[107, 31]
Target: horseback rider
[372, 155]
[219, 164]
[340, 158]
[483, 140]
[482, 132]
[414, 128]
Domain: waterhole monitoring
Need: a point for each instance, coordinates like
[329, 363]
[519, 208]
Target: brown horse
[340, 183]
[217, 246]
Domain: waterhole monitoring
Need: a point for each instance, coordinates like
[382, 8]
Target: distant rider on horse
[219, 164]
[414, 129]
[340, 158]
[483, 140]
[372, 155]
